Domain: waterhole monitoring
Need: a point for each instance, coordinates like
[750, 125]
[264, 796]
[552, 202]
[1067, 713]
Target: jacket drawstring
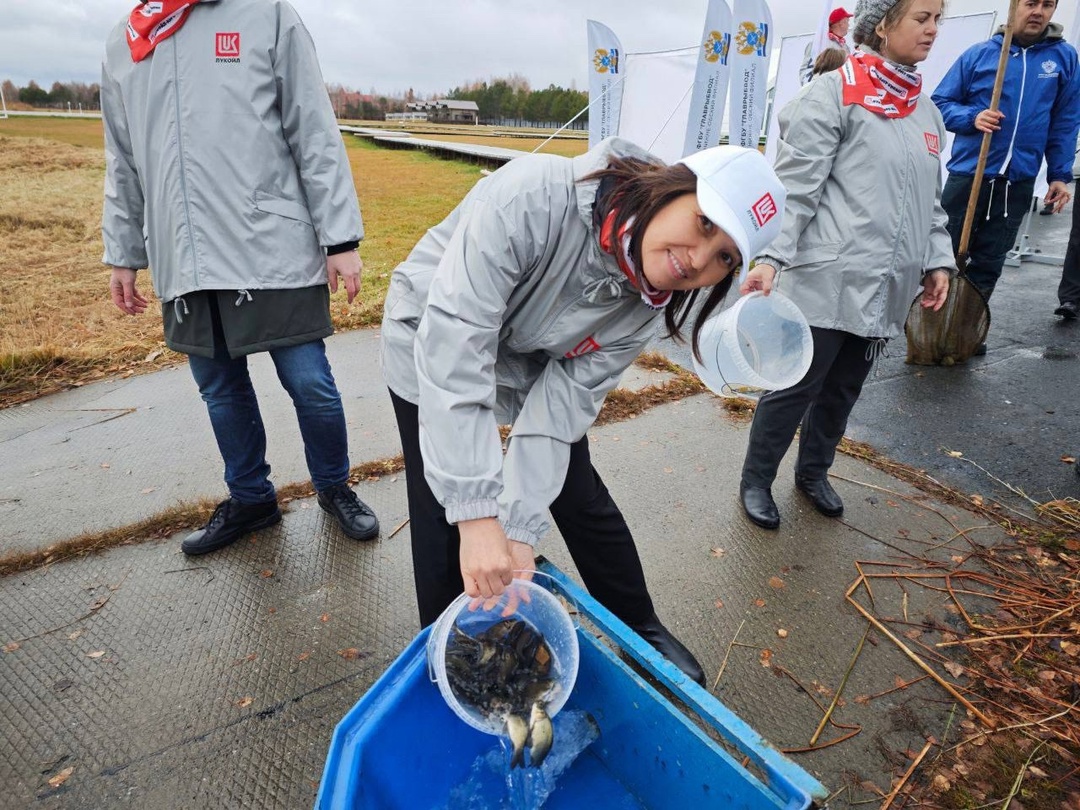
[876, 348]
[177, 303]
[990, 201]
[592, 291]
[241, 294]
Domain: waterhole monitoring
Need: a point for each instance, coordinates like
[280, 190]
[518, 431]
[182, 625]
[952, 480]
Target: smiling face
[908, 40]
[682, 249]
[1032, 17]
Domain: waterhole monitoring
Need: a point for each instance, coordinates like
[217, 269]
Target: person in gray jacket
[227, 176]
[524, 307]
[859, 152]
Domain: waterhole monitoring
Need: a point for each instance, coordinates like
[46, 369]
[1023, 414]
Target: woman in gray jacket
[863, 227]
[524, 307]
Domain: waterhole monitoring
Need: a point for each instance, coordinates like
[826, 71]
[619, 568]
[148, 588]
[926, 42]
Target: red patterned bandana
[654, 299]
[884, 88]
[153, 21]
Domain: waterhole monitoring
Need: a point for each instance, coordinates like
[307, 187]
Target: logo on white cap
[764, 209]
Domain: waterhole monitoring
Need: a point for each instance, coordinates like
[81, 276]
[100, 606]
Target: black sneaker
[1068, 310]
[231, 521]
[352, 514]
[980, 350]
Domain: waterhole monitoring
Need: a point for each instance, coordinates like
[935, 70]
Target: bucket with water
[759, 344]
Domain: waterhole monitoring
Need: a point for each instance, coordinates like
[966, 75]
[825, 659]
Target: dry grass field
[57, 325]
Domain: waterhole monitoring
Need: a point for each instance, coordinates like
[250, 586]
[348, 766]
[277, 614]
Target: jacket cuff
[344, 247]
[472, 510]
[522, 535]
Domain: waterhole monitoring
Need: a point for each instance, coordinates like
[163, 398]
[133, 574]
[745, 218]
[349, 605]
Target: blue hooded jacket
[1040, 98]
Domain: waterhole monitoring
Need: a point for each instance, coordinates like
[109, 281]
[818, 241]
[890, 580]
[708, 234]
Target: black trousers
[1069, 289]
[821, 401]
[999, 212]
[594, 529]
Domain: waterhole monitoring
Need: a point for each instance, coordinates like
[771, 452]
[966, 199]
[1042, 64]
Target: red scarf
[883, 88]
[152, 22]
[654, 299]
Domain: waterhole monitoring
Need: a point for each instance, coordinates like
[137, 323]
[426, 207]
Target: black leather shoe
[821, 494]
[1068, 310]
[231, 521]
[759, 506]
[670, 647]
[352, 514]
[980, 350]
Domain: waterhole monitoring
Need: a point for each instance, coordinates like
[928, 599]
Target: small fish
[518, 732]
[541, 734]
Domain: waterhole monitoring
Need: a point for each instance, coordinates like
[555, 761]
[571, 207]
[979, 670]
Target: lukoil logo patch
[227, 46]
[764, 209]
[933, 143]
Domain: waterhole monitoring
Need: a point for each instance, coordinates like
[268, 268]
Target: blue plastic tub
[400, 746]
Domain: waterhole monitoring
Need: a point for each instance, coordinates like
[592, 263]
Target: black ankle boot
[670, 647]
[759, 506]
[821, 494]
[231, 521]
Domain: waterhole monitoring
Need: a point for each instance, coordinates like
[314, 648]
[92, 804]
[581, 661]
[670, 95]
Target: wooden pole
[984, 149]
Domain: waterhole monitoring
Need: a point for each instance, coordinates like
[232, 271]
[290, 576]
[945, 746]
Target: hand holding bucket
[761, 343]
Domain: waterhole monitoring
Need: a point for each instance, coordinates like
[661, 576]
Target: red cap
[839, 14]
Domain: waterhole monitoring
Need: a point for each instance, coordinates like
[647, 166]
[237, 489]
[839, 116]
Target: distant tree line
[60, 95]
[512, 100]
[502, 101]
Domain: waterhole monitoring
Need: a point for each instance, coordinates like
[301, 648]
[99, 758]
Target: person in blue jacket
[1038, 117]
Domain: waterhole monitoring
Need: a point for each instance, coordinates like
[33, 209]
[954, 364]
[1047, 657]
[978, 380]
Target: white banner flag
[605, 82]
[751, 46]
[710, 80]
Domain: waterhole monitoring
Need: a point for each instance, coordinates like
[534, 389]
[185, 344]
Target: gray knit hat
[868, 13]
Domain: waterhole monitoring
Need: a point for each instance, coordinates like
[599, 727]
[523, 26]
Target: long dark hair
[640, 189]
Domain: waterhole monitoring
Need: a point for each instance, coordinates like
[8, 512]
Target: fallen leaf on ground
[1038, 772]
[954, 453]
[11, 646]
[95, 654]
[766, 658]
[718, 552]
[719, 604]
[782, 633]
[913, 633]
[862, 700]
[99, 603]
[266, 574]
[61, 777]
[941, 784]
[955, 669]
[351, 654]
[105, 465]
[304, 656]
[776, 582]
[977, 500]
[75, 635]
[759, 603]
[1069, 459]
[244, 702]
[148, 490]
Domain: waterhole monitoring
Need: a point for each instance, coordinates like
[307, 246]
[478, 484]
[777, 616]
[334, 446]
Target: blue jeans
[304, 372]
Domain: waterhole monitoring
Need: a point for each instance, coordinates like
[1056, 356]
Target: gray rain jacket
[863, 219]
[225, 168]
[509, 312]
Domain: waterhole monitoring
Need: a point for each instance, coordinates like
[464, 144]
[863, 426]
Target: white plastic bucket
[759, 344]
[542, 611]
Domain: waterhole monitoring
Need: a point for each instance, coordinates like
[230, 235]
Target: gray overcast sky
[428, 45]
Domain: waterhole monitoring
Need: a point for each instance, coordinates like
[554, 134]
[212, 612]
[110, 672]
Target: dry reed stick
[726, 654]
[840, 688]
[948, 687]
[906, 776]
